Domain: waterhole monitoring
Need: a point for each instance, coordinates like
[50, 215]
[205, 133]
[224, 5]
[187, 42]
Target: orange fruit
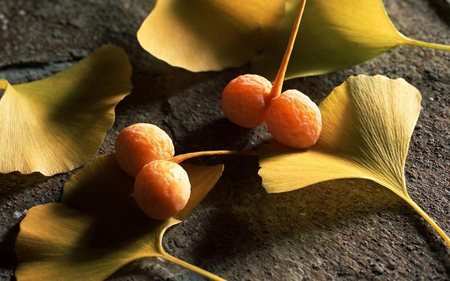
[294, 120]
[140, 144]
[162, 189]
[244, 100]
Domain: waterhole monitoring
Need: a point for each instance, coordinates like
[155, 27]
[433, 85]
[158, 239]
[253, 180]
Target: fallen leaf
[212, 35]
[367, 126]
[206, 35]
[333, 35]
[58, 123]
[99, 228]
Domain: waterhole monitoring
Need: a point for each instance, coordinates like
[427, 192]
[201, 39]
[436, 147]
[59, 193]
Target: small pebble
[377, 269]
[18, 214]
[316, 265]
[434, 77]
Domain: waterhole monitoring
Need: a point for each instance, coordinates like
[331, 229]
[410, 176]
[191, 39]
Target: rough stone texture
[345, 230]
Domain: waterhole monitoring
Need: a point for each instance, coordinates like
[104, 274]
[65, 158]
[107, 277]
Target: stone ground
[359, 231]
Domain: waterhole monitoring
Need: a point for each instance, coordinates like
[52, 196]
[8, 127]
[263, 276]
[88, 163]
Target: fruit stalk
[182, 157]
[192, 267]
[278, 83]
[424, 44]
[424, 215]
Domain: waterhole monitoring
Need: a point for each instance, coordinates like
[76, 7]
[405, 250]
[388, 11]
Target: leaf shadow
[147, 93]
[442, 9]
[15, 182]
[13, 186]
[211, 137]
[8, 258]
[105, 238]
[100, 198]
[257, 220]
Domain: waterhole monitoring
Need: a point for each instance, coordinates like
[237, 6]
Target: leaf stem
[428, 219]
[425, 44]
[182, 157]
[278, 83]
[191, 267]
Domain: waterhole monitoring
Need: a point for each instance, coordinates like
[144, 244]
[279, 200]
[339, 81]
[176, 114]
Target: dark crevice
[442, 8]
[34, 65]
[24, 65]
[19, 73]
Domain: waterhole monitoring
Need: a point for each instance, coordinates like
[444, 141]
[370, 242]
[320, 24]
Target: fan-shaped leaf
[57, 242]
[367, 126]
[99, 228]
[211, 35]
[57, 124]
[333, 35]
[205, 35]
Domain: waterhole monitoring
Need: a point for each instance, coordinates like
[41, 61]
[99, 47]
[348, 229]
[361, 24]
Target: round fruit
[162, 189]
[140, 144]
[244, 100]
[294, 120]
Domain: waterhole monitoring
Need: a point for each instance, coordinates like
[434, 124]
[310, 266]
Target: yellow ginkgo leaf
[58, 123]
[205, 35]
[99, 228]
[333, 35]
[367, 126]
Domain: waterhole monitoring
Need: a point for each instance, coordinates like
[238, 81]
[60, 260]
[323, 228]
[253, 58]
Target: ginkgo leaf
[212, 35]
[99, 228]
[333, 35]
[58, 123]
[367, 126]
[57, 242]
[205, 35]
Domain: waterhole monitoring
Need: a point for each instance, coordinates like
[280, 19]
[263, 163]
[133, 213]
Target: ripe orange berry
[162, 189]
[140, 144]
[294, 120]
[245, 98]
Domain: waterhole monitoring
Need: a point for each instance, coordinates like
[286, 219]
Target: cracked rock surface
[359, 231]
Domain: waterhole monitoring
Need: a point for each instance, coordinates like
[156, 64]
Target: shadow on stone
[8, 258]
[256, 223]
[442, 8]
[16, 182]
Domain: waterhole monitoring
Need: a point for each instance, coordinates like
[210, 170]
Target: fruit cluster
[291, 117]
[162, 187]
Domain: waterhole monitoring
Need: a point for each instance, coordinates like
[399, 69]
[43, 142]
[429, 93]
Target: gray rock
[359, 231]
